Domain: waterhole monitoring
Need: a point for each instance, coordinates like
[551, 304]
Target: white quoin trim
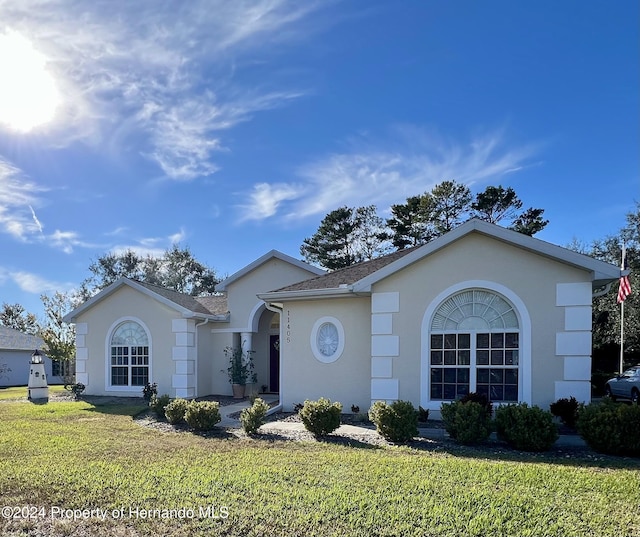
[524, 321]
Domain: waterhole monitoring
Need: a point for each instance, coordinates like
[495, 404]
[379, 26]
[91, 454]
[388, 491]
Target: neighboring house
[16, 349]
[480, 309]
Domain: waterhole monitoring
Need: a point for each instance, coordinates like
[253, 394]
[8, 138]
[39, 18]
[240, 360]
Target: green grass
[20, 392]
[75, 455]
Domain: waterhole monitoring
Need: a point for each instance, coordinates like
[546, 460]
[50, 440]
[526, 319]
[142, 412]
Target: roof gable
[313, 271]
[213, 308]
[358, 279]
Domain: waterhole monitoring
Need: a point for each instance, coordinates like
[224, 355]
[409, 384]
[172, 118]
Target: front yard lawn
[74, 455]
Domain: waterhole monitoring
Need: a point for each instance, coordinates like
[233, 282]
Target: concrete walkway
[227, 410]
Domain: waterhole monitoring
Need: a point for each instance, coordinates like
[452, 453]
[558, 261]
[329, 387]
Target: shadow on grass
[578, 456]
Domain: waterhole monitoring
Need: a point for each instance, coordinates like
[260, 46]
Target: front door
[274, 363]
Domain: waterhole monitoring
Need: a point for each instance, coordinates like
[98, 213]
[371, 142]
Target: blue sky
[234, 127]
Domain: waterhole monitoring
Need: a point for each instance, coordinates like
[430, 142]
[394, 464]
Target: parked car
[626, 385]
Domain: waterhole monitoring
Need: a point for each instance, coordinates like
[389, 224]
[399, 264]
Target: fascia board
[307, 294]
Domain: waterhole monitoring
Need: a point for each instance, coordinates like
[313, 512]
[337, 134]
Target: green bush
[252, 418]
[321, 417]
[480, 398]
[526, 428]
[466, 422]
[175, 410]
[149, 391]
[158, 404]
[397, 422]
[202, 415]
[566, 410]
[612, 428]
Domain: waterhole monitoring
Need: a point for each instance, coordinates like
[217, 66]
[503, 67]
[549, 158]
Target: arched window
[474, 346]
[129, 355]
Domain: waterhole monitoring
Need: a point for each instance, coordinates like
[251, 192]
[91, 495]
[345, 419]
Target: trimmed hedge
[526, 428]
[175, 410]
[467, 422]
[321, 417]
[158, 404]
[202, 415]
[252, 418]
[612, 428]
[397, 422]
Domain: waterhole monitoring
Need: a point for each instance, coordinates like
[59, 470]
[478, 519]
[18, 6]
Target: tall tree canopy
[14, 316]
[606, 310]
[346, 236]
[425, 217]
[59, 337]
[176, 269]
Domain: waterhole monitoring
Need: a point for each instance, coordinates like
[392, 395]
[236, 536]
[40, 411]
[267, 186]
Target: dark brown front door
[274, 363]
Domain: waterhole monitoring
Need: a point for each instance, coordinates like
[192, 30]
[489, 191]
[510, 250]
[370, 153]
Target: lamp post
[37, 388]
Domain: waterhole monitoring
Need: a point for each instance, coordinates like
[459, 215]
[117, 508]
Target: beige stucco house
[480, 309]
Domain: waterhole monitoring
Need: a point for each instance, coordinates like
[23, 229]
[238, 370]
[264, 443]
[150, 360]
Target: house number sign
[288, 332]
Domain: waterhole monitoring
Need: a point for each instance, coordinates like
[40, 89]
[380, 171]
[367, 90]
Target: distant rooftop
[14, 340]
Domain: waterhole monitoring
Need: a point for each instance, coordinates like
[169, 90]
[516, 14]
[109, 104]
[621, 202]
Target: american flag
[624, 290]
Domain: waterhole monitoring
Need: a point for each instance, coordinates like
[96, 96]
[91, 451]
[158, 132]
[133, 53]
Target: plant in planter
[241, 370]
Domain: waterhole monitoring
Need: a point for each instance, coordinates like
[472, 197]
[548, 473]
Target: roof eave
[307, 294]
[219, 318]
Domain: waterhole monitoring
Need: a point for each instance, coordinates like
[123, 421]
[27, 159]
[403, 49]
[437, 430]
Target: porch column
[246, 341]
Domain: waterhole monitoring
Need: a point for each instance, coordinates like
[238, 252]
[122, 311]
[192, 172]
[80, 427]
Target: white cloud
[265, 200]
[150, 246]
[17, 195]
[32, 283]
[385, 173]
[164, 70]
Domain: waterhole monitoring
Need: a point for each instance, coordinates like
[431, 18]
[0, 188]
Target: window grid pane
[449, 383]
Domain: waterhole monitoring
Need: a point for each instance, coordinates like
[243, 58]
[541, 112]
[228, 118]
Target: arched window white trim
[523, 322]
[136, 335]
[327, 339]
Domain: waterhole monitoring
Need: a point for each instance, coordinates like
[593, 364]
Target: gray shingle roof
[348, 275]
[208, 305]
[14, 340]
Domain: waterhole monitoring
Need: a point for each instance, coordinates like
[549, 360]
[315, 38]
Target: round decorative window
[327, 339]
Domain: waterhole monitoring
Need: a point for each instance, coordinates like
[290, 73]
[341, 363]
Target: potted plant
[241, 370]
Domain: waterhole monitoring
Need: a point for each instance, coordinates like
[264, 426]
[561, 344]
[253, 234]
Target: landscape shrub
[566, 410]
[423, 414]
[481, 399]
[202, 415]
[158, 404]
[321, 417]
[612, 428]
[253, 417]
[526, 428]
[149, 391]
[175, 410]
[397, 422]
[77, 389]
[466, 422]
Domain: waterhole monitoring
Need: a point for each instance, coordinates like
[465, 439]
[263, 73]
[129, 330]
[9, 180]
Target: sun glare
[28, 94]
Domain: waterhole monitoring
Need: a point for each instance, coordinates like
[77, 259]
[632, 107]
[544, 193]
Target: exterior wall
[241, 294]
[531, 278]
[218, 379]
[14, 368]
[348, 379]
[94, 326]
